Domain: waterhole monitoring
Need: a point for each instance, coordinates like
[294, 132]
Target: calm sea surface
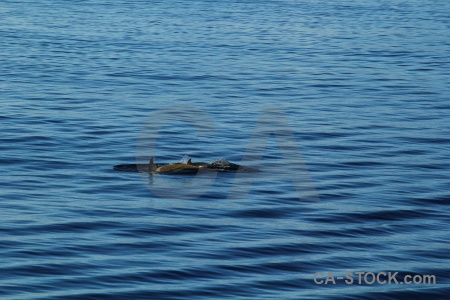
[343, 105]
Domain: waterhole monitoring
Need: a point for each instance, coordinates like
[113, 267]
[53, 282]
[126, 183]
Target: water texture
[343, 105]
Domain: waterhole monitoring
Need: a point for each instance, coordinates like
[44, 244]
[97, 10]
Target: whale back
[177, 168]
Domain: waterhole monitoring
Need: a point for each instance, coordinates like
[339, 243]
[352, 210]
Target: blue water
[343, 105]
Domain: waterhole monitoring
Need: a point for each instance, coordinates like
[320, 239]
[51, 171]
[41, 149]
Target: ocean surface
[343, 105]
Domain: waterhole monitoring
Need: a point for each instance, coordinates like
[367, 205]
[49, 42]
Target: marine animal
[184, 168]
[173, 169]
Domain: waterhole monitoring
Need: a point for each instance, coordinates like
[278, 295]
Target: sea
[342, 106]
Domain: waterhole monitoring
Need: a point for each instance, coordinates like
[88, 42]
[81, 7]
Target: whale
[184, 168]
[173, 169]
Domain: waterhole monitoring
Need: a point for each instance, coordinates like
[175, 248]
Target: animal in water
[176, 168]
[184, 168]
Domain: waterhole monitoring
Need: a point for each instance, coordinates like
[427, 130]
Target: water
[344, 105]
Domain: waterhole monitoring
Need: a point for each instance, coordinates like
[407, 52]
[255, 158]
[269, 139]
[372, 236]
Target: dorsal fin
[189, 162]
[151, 166]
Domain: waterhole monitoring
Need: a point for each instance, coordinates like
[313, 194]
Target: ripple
[354, 157]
